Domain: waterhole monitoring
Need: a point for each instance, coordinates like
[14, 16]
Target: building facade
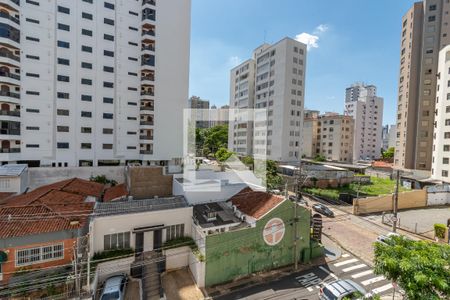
[424, 32]
[329, 135]
[366, 108]
[200, 111]
[273, 80]
[92, 83]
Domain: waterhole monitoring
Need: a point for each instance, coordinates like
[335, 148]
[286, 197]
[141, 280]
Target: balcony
[151, 2]
[147, 152]
[148, 14]
[10, 94]
[146, 123]
[148, 48]
[147, 108]
[13, 113]
[148, 32]
[146, 137]
[11, 18]
[6, 131]
[11, 4]
[9, 55]
[7, 76]
[9, 150]
[147, 93]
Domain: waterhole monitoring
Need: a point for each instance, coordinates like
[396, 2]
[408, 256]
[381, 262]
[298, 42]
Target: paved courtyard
[179, 285]
[424, 219]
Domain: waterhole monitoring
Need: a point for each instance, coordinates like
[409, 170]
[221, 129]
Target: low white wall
[438, 195]
[109, 268]
[42, 176]
[197, 269]
[177, 258]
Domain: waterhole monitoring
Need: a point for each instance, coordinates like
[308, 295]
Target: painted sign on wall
[274, 231]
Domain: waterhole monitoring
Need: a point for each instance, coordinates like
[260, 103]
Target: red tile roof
[115, 192]
[4, 196]
[50, 208]
[254, 203]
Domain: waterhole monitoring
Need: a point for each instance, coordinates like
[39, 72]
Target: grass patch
[377, 187]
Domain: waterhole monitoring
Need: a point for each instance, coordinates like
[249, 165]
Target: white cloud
[233, 61]
[312, 40]
[308, 39]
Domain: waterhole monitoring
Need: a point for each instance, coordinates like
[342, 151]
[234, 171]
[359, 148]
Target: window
[107, 146]
[32, 57]
[86, 16]
[32, 75]
[86, 114]
[62, 145]
[108, 21]
[109, 5]
[133, 44]
[32, 20]
[86, 32]
[63, 10]
[107, 116]
[86, 146]
[431, 18]
[63, 27]
[107, 131]
[107, 100]
[86, 49]
[432, 7]
[63, 78]
[119, 240]
[108, 84]
[444, 173]
[445, 160]
[35, 255]
[108, 37]
[62, 128]
[133, 28]
[174, 231]
[62, 112]
[86, 130]
[86, 98]
[446, 148]
[63, 61]
[32, 2]
[86, 81]
[108, 53]
[32, 128]
[86, 65]
[33, 39]
[32, 93]
[32, 145]
[61, 95]
[132, 58]
[63, 44]
[133, 13]
[88, 1]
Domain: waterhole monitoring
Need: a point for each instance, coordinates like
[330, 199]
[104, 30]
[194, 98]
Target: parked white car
[114, 288]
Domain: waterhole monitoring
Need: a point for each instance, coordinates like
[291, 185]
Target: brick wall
[147, 182]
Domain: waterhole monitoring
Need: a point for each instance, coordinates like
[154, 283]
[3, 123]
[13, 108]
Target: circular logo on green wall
[273, 232]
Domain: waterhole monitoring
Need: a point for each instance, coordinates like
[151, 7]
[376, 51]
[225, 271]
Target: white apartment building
[363, 105]
[273, 80]
[441, 139]
[87, 83]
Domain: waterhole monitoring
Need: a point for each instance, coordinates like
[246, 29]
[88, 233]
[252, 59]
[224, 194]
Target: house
[250, 232]
[39, 229]
[116, 193]
[13, 178]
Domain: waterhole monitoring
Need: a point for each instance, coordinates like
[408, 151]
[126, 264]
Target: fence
[412, 199]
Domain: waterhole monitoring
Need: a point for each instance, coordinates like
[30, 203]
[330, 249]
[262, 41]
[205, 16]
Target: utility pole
[75, 262]
[88, 272]
[395, 205]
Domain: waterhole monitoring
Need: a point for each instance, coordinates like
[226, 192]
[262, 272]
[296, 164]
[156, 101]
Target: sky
[349, 41]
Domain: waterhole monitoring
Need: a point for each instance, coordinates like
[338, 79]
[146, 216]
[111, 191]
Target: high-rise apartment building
[441, 143]
[219, 116]
[367, 111]
[274, 80]
[329, 135]
[425, 30]
[93, 82]
[200, 111]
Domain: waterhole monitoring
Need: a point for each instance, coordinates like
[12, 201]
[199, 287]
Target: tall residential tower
[93, 82]
[274, 80]
[425, 30]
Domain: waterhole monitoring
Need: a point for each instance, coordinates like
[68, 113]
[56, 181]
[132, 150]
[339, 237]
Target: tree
[319, 158]
[248, 161]
[389, 153]
[223, 154]
[421, 268]
[209, 140]
[273, 179]
[103, 180]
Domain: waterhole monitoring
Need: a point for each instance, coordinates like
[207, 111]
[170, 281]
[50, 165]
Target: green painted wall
[242, 252]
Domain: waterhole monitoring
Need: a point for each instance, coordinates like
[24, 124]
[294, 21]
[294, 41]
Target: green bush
[439, 230]
[112, 253]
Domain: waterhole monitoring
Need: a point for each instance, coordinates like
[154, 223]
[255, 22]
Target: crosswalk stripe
[328, 272]
[345, 255]
[382, 288]
[345, 262]
[353, 268]
[372, 280]
[310, 289]
[362, 274]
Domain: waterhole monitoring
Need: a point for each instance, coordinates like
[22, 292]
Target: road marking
[372, 280]
[353, 268]
[308, 280]
[345, 255]
[310, 289]
[382, 288]
[345, 262]
[362, 274]
[328, 272]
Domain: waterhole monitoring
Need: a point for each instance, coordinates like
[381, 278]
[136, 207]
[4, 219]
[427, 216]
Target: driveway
[179, 285]
[423, 220]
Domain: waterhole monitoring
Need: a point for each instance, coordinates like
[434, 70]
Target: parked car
[322, 209]
[341, 289]
[385, 239]
[114, 288]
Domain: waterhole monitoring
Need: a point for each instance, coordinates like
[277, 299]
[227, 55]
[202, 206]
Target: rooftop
[115, 192]
[255, 203]
[138, 206]
[12, 169]
[214, 214]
